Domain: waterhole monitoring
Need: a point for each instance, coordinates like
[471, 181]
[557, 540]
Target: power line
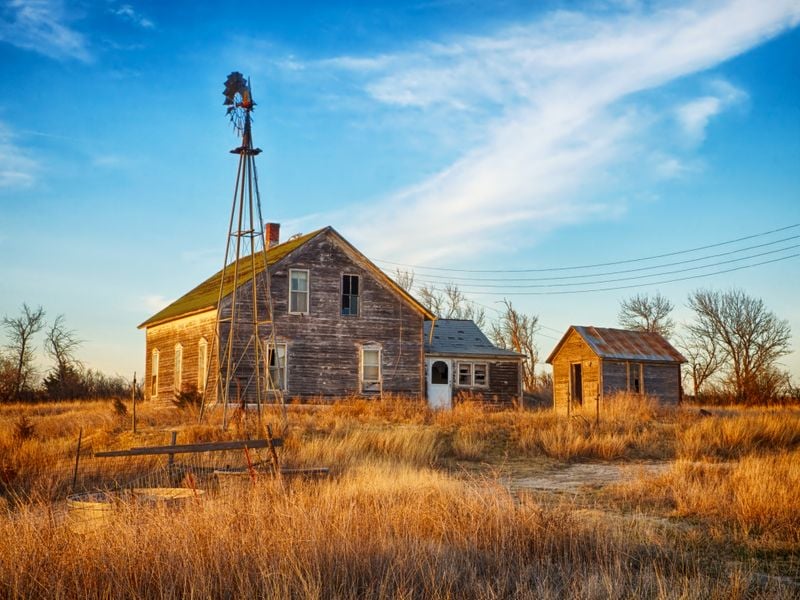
[426, 277]
[627, 287]
[620, 279]
[606, 264]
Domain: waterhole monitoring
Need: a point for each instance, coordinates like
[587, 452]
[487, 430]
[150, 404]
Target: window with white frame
[298, 291]
[202, 364]
[350, 295]
[370, 368]
[178, 367]
[276, 366]
[473, 374]
[154, 373]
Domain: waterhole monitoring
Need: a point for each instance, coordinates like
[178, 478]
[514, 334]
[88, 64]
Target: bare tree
[451, 303]
[515, 331]
[60, 344]
[404, 278]
[703, 357]
[20, 331]
[643, 312]
[752, 339]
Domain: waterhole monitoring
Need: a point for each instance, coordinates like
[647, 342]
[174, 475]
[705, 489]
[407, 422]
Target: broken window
[472, 374]
[298, 291]
[276, 365]
[465, 374]
[349, 294]
[370, 368]
[154, 374]
[479, 375]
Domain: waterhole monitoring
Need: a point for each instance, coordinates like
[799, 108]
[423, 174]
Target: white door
[440, 383]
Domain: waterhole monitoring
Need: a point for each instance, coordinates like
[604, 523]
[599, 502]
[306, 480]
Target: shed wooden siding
[324, 346]
[663, 381]
[575, 350]
[187, 331]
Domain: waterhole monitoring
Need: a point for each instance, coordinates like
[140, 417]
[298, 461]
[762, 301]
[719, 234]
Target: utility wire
[430, 278]
[620, 279]
[626, 287]
[606, 264]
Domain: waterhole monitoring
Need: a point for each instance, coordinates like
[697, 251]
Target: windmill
[244, 340]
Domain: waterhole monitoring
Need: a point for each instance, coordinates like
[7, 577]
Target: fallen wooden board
[187, 448]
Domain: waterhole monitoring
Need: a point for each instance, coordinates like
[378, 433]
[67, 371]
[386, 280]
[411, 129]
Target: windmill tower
[244, 340]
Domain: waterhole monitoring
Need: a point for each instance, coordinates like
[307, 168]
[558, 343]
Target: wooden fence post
[77, 459]
[133, 399]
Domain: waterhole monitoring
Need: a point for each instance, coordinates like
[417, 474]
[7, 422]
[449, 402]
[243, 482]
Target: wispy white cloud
[42, 26]
[127, 12]
[558, 105]
[695, 115]
[17, 168]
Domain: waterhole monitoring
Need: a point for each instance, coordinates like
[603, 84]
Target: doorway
[440, 386]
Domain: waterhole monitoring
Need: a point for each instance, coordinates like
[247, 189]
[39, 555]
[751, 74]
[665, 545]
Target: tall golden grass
[398, 520]
[378, 531]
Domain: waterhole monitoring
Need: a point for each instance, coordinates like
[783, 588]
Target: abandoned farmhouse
[340, 326]
[591, 363]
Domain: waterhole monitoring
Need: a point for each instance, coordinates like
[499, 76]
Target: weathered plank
[192, 448]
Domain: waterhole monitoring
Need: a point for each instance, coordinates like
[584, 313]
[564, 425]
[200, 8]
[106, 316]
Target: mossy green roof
[206, 295]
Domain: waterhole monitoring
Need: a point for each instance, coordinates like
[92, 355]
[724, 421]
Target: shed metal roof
[623, 344]
[461, 337]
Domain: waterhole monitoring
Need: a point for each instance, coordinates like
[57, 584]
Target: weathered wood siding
[188, 332]
[662, 381]
[615, 376]
[503, 380]
[659, 380]
[324, 346]
[575, 350]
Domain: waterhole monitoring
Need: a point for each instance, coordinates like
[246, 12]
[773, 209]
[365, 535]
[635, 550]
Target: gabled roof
[205, 296]
[460, 337]
[622, 344]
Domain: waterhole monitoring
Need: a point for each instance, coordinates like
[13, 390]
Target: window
[298, 291]
[349, 294]
[370, 368]
[276, 364]
[465, 374]
[473, 374]
[154, 374]
[178, 367]
[439, 373]
[202, 364]
[479, 375]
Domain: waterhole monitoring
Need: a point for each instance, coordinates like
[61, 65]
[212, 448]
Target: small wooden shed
[590, 363]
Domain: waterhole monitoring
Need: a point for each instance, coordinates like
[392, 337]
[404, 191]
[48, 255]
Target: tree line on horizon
[66, 379]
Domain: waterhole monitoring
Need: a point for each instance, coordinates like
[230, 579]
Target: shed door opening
[577, 384]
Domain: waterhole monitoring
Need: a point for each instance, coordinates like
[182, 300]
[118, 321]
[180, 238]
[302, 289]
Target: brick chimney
[272, 234]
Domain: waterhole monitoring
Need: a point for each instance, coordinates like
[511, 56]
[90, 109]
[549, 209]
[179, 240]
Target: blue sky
[482, 136]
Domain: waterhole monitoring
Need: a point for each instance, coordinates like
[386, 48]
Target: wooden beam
[191, 448]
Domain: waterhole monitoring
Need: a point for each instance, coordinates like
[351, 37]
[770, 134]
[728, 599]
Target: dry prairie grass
[380, 531]
[393, 524]
[736, 433]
